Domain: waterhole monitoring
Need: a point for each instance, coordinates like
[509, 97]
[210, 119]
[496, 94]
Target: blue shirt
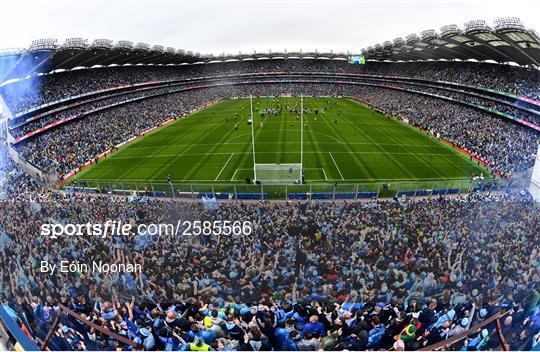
[316, 328]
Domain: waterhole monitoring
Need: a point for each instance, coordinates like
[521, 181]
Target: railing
[65, 310]
[24, 342]
[475, 329]
[16, 339]
[313, 191]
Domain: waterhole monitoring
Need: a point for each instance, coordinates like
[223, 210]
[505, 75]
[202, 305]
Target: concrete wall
[534, 187]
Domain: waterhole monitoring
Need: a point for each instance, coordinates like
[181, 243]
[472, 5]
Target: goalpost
[290, 173]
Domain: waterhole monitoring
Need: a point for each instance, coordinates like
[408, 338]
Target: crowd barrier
[23, 342]
[475, 329]
[64, 311]
[12, 334]
[328, 191]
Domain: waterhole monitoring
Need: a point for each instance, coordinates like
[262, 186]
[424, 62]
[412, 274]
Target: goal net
[278, 173]
[289, 173]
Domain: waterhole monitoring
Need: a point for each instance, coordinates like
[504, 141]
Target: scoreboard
[357, 59]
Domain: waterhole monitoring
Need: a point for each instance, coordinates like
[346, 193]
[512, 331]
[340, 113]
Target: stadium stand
[511, 146]
[402, 273]
[424, 270]
[518, 81]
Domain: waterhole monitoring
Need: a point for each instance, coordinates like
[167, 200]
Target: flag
[210, 203]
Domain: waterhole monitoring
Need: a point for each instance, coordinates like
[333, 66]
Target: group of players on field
[275, 111]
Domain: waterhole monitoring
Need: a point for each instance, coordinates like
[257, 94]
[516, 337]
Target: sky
[220, 26]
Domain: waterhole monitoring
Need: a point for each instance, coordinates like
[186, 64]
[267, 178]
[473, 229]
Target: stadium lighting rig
[43, 44]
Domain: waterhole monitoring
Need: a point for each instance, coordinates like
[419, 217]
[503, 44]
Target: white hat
[465, 322]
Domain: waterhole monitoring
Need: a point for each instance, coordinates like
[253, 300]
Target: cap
[144, 332]
[465, 322]
[483, 312]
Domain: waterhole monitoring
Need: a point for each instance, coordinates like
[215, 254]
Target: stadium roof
[509, 41]
[46, 55]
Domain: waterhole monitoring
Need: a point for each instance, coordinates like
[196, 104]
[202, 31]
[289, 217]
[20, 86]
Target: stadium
[386, 199]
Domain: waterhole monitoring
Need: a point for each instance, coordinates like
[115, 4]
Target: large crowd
[12, 179]
[401, 274]
[497, 104]
[502, 103]
[82, 109]
[36, 91]
[103, 130]
[505, 146]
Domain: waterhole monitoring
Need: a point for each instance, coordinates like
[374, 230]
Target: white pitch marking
[232, 178]
[359, 180]
[297, 152]
[337, 167]
[318, 168]
[223, 168]
[292, 142]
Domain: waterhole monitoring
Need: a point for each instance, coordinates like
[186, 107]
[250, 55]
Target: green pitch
[344, 142]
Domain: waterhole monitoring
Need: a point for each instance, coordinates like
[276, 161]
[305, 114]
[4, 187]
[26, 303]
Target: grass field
[344, 142]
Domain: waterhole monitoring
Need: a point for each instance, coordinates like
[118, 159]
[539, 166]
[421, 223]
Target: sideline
[337, 167]
[223, 168]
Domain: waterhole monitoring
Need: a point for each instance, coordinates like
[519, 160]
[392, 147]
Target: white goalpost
[290, 173]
